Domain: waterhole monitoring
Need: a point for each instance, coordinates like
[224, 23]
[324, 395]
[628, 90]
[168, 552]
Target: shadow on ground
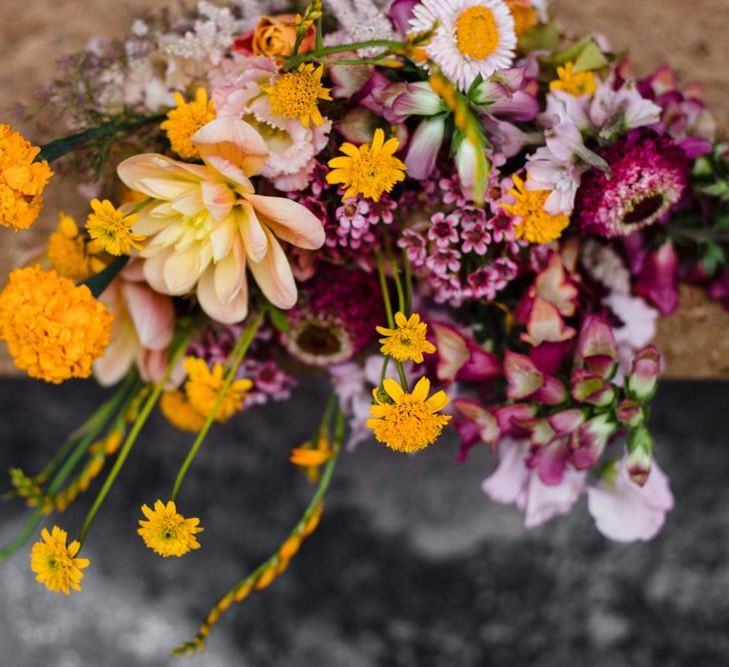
[412, 565]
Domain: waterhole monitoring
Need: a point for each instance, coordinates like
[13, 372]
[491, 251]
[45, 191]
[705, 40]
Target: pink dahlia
[648, 177]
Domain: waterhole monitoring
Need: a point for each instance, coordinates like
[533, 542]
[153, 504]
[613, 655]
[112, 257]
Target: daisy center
[295, 94]
[477, 33]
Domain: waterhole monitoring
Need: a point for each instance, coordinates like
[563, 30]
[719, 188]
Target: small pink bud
[596, 346]
[640, 454]
[643, 379]
[590, 440]
[588, 387]
[630, 413]
[523, 376]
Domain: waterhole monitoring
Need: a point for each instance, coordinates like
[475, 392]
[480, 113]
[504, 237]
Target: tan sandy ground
[688, 34]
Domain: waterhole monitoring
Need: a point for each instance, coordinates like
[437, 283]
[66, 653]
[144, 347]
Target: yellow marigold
[203, 387]
[411, 422]
[166, 532]
[535, 224]
[525, 16]
[176, 407]
[55, 565]
[297, 94]
[68, 252]
[54, 329]
[186, 119]
[22, 181]
[111, 229]
[368, 170]
[574, 83]
[408, 341]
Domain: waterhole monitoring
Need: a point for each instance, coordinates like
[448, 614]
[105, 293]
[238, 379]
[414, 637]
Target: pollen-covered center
[477, 33]
[295, 94]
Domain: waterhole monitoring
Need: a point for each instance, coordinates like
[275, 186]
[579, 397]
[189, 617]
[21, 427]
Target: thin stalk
[131, 439]
[295, 60]
[390, 316]
[242, 346]
[92, 429]
[408, 282]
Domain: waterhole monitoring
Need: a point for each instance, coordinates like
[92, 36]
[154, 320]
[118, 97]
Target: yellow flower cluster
[408, 422]
[535, 224]
[69, 252]
[55, 564]
[369, 170]
[166, 532]
[203, 387]
[22, 180]
[408, 341]
[575, 83]
[176, 407]
[297, 94]
[111, 229]
[54, 329]
[186, 119]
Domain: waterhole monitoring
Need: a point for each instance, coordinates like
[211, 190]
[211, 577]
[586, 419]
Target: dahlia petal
[274, 276]
[254, 237]
[222, 238]
[119, 356]
[154, 271]
[137, 171]
[290, 221]
[226, 313]
[152, 313]
[182, 269]
[227, 278]
[235, 140]
[218, 199]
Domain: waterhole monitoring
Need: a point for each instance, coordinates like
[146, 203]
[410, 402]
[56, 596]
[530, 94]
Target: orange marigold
[53, 328]
[22, 181]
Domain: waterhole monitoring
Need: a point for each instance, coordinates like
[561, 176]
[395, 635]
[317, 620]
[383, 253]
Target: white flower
[473, 37]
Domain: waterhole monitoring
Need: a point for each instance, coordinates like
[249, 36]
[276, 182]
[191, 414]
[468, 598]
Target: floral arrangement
[459, 215]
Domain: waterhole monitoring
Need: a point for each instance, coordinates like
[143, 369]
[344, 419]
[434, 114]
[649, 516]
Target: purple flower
[658, 279]
[443, 261]
[626, 512]
[476, 238]
[415, 247]
[648, 177]
[442, 230]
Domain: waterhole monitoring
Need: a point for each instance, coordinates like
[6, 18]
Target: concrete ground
[412, 566]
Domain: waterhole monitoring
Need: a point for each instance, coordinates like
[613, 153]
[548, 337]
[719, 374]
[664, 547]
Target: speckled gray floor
[412, 566]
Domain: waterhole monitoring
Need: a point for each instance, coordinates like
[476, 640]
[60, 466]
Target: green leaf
[714, 257]
[279, 319]
[590, 58]
[540, 38]
[100, 281]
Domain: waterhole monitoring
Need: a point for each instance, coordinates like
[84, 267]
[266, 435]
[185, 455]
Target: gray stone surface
[412, 565]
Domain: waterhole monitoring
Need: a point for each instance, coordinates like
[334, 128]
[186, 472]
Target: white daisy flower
[473, 37]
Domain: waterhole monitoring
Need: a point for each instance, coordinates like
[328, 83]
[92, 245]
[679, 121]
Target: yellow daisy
[166, 532]
[535, 224]
[176, 407]
[111, 229]
[408, 341]
[297, 94]
[204, 385]
[411, 422]
[185, 120]
[55, 564]
[68, 252]
[574, 83]
[368, 170]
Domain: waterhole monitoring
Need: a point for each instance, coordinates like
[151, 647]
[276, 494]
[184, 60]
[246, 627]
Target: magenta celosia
[648, 177]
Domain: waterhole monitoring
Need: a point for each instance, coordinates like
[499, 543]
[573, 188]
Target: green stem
[91, 430]
[60, 147]
[295, 60]
[242, 346]
[385, 290]
[390, 316]
[408, 282]
[131, 439]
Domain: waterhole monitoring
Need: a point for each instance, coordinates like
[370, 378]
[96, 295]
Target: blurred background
[412, 565]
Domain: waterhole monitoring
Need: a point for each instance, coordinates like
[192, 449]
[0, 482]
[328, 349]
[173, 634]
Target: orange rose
[274, 36]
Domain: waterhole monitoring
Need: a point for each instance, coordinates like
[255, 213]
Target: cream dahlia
[206, 224]
[473, 37]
